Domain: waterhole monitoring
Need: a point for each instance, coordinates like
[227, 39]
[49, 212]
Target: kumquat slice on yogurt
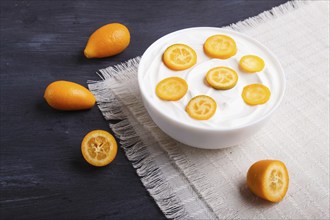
[171, 89]
[221, 78]
[201, 107]
[251, 64]
[179, 57]
[220, 46]
[256, 94]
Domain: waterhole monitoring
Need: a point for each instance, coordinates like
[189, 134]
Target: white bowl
[206, 137]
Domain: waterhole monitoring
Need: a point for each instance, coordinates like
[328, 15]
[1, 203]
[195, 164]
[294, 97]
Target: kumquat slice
[255, 94]
[171, 89]
[179, 57]
[220, 46]
[201, 107]
[251, 64]
[222, 78]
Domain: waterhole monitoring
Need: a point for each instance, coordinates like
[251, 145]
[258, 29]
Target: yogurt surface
[231, 111]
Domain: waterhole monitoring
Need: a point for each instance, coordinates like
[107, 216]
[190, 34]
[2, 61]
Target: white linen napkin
[190, 183]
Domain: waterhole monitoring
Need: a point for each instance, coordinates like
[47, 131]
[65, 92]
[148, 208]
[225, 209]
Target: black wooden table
[43, 174]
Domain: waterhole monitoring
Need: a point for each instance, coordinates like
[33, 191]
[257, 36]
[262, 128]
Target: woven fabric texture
[190, 183]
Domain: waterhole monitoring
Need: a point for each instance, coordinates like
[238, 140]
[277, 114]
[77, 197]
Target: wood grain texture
[43, 175]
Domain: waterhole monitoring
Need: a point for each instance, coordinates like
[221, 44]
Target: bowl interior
[153, 56]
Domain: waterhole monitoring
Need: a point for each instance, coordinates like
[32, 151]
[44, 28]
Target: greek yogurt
[232, 111]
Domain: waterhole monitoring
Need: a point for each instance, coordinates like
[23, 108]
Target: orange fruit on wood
[268, 179]
[99, 148]
[65, 95]
[108, 40]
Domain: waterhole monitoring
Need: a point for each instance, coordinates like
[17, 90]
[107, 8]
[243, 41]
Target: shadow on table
[81, 59]
[56, 124]
[252, 199]
[43, 107]
[81, 166]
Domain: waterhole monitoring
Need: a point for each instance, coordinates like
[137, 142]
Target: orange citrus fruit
[65, 95]
[108, 40]
[222, 78]
[99, 148]
[220, 46]
[268, 179]
[179, 57]
[201, 107]
[251, 64]
[255, 94]
[171, 89]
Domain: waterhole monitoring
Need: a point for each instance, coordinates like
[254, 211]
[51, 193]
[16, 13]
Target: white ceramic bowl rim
[146, 98]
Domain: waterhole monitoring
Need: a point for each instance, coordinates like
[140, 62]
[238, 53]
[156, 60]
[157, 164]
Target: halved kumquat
[220, 46]
[201, 107]
[99, 148]
[179, 57]
[221, 78]
[268, 179]
[171, 89]
[255, 94]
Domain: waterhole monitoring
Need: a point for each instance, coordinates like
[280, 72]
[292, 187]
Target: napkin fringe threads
[137, 143]
[267, 15]
[139, 135]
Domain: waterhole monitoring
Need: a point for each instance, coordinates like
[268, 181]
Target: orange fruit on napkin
[99, 148]
[268, 179]
[65, 95]
[108, 40]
